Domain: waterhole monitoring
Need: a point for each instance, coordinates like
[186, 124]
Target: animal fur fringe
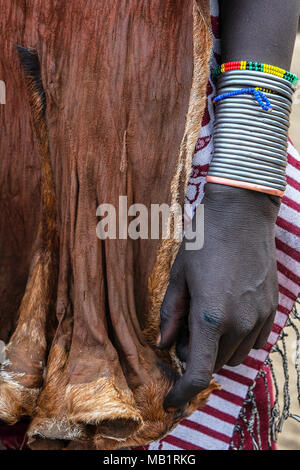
[63, 411]
[22, 373]
[15, 399]
[157, 422]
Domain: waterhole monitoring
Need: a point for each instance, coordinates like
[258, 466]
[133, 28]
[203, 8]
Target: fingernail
[171, 410]
[158, 339]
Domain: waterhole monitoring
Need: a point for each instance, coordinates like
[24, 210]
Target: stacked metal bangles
[250, 143]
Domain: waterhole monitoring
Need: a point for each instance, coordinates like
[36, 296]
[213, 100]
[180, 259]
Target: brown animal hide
[125, 87]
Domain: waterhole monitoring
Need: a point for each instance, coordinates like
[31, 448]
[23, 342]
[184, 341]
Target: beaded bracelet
[260, 97]
[257, 66]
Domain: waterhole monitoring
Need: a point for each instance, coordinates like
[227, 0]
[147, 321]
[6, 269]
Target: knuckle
[245, 327]
[246, 330]
[214, 318]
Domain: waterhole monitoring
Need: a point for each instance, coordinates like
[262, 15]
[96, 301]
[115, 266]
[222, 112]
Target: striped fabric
[212, 427]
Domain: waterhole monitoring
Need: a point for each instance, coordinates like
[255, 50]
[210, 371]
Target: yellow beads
[265, 90]
[248, 65]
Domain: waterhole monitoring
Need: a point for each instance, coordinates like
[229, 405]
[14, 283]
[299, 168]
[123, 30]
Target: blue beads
[260, 97]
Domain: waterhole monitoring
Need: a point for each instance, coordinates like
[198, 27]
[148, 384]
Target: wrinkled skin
[221, 299]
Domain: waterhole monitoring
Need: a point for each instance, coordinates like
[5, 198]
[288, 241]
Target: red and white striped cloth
[212, 427]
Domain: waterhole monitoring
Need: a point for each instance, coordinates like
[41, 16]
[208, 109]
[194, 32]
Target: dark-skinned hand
[221, 299]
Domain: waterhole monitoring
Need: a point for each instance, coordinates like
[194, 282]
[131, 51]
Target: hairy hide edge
[157, 422]
[123, 420]
[64, 410]
[21, 374]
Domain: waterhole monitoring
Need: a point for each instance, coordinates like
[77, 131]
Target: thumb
[173, 311]
[201, 358]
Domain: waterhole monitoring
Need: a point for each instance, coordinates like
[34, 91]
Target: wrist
[242, 203]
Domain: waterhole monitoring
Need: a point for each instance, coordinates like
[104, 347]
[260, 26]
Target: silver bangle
[258, 117]
[232, 105]
[255, 123]
[259, 130]
[247, 179]
[230, 143]
[251, 140]
[257, 82]
[261, 75]
[247, 173]
[250, 143]
[252, 136]
[252, 162]
[242, 83]
[262, 125]
[246, 166]
[244, 156]
[274, 99]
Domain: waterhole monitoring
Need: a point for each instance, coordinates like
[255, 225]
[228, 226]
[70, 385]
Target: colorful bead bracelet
[248, 65]
[259, 96]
